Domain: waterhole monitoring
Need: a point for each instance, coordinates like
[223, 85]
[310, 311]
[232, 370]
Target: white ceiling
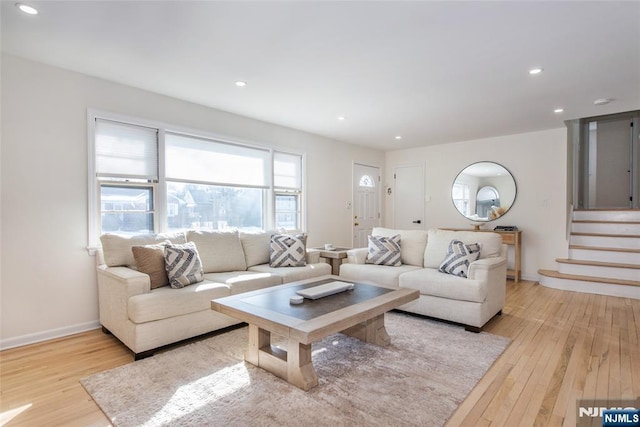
[433, 72]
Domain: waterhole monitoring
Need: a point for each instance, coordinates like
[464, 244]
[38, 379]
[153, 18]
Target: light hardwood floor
[566, 346]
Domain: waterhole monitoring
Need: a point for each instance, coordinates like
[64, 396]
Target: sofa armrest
[357, 255]
[124, 279]
[115, 286]
[480, 269]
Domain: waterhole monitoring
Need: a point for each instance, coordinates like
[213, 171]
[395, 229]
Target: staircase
[604, 255]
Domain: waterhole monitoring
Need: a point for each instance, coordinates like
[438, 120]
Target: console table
[511, 238]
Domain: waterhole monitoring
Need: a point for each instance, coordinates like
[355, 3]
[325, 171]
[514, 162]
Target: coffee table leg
[371, 331]
[300, 370]
[258, 338]
[293, 365]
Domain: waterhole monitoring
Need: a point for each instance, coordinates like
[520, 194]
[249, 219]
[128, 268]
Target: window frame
[159, 192]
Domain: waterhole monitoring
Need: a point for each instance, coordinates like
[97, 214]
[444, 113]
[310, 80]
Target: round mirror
[483, 191]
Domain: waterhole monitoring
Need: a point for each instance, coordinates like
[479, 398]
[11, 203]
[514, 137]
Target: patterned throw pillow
[183, 265]
[288, 251]
[384, 251]
[458, 258]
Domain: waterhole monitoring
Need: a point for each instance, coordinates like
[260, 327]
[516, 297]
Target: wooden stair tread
[634, 236]
[558, 275]
[596, 248]
[597, 263]
[607, 210]
[594, 221]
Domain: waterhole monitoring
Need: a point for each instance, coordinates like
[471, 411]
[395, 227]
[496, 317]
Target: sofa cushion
[150, 260]
[430, 281]
[290, 274]
[256, 247]
[379, 274]
[183, 265]
[117, 249]
[219, 250]
[166, 302]
[458, 258]
[412, 245]
[438, 243]
[288, 251]
[384, 251]
[245, 281]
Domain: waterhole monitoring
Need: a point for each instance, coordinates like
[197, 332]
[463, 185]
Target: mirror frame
[504, 206]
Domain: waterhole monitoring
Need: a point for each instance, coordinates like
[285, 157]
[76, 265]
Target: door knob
[417, 221]
[355, 224]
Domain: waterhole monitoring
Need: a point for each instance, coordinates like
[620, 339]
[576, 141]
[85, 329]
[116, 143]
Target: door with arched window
[366, 202]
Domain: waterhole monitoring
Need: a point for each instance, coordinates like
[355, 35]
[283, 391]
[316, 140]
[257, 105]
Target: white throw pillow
[288, 251]
[438, 243]
[384, 251]
[220, 251]
[256, 247]
[183, 265]
[413, 243]
[458, 258]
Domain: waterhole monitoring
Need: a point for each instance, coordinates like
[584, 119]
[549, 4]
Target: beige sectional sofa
[145, 318]
[471, 301]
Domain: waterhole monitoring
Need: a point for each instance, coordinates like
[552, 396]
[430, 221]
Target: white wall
[48, 284]
[538, 163]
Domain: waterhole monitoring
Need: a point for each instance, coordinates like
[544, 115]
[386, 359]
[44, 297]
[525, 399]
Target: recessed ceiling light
[341, 118]
[27, 9]
[398, 137]
[240, 83]
[535, 71]
[558, 110]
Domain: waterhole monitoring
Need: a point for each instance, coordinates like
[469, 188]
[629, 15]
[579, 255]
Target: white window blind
[191, 159]
[287, 171]
[126, 151]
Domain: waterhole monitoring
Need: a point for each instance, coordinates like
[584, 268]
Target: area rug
[420, 379]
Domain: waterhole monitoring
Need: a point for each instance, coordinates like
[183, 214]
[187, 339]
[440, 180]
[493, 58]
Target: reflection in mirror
[483, 191]
[487, 200]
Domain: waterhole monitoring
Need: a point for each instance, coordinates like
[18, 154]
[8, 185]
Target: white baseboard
[47, 335]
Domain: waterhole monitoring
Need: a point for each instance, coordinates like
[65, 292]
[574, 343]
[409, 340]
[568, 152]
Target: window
[126, 209]
[367, 181]
[287, 176]
[126, 167]
[214, 207]
[146, 178]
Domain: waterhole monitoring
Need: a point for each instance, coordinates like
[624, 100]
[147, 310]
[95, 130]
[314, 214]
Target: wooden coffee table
[359, 313]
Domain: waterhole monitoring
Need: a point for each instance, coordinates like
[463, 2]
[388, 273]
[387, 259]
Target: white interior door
[366, 202]
[408, 200]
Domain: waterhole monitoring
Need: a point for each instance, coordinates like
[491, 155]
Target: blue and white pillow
[288, 251]
[183, 265]
[384, 251]
[458, 258]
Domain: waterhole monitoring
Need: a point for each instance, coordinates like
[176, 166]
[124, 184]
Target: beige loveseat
[471, 301]
[145, 318]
